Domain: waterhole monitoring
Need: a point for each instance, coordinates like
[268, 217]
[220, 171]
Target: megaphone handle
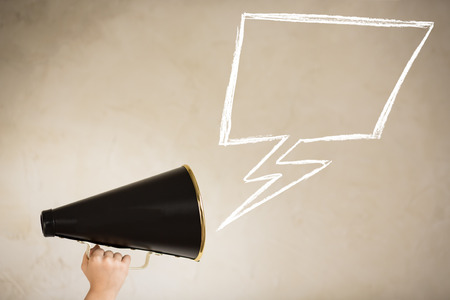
[147, 257]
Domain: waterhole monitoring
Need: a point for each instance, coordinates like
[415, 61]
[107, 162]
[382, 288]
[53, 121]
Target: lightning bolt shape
[225, 128]
[250, 204]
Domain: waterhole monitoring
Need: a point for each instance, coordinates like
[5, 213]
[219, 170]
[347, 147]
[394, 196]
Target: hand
[106, 273]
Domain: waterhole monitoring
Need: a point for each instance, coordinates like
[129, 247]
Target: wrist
[100, 295]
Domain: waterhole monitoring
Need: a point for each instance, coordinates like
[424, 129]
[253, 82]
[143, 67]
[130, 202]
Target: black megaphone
[161, 214]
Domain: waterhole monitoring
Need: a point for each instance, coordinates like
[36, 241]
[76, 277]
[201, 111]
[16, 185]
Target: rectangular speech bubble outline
[225, 127]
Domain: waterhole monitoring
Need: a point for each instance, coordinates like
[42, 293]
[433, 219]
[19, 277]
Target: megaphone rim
[201, 212]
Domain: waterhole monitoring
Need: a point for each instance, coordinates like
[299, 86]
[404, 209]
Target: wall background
[97, 94]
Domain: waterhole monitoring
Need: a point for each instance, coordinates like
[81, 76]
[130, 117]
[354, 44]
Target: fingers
[117, 256]
[108, 254]
[97, 252]
[126, 259]
[96, 247]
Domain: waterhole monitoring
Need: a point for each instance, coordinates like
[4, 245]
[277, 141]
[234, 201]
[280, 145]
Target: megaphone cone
[162, 214]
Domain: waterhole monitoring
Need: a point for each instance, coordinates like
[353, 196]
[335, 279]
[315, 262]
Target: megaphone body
[161, 214]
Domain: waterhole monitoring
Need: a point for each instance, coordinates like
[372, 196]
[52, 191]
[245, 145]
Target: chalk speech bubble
[225, 126]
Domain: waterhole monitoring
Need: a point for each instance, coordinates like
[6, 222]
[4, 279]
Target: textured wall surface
[98, 94]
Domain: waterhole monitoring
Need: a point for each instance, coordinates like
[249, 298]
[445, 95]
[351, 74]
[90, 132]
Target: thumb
[84, 263]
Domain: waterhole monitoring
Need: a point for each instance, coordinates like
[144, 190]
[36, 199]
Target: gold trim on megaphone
[200, 207]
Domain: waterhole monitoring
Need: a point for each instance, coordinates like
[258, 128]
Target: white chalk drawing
[225, 127]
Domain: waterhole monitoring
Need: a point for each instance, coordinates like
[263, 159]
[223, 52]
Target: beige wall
[97, 94]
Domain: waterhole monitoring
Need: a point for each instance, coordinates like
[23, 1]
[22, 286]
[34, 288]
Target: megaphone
[162, 214]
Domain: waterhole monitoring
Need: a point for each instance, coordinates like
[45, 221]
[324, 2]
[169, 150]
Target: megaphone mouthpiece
[48, 223]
